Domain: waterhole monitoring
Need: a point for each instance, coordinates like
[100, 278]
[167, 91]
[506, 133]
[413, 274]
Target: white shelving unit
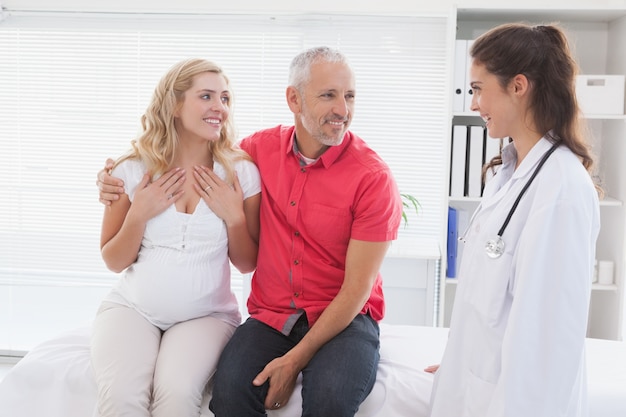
[598, 38]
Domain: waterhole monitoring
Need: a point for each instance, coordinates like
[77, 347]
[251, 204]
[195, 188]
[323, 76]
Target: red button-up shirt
[309, 213]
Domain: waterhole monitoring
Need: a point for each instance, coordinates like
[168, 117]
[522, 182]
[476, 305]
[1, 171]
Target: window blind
[72, 90]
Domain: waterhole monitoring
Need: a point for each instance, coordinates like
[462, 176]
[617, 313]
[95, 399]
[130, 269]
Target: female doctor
[517, 333]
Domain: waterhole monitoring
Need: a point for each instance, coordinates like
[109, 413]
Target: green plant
[411, 203]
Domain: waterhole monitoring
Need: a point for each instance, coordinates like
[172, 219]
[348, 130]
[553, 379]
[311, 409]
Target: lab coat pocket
[479, 396]
[488, 291]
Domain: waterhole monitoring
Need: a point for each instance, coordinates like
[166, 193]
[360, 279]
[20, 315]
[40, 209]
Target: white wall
[390, 7]
[233, 6]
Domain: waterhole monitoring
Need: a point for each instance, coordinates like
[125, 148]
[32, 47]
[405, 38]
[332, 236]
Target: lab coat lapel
[508, 177]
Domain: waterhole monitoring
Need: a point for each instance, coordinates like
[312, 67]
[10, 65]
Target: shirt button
[296, 262]
[297, 233]
[302, 169]
[293, 203]
[296, 294]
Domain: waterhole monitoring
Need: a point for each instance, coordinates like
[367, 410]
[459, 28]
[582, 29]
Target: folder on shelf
[493, 146]
[467, 100]
[476, 145]
[462, 223]
[458, 160]
[452, 244]
[459, 85]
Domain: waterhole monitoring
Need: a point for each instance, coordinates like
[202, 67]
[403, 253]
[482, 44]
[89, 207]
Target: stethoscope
[495, 247]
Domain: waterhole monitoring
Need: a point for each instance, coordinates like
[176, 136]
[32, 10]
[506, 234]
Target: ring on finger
[208, 187]
[276, 405]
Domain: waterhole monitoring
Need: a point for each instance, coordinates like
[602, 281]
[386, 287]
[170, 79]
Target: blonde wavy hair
[157, 144]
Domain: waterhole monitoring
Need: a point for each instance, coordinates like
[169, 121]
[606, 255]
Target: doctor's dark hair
[542, 54]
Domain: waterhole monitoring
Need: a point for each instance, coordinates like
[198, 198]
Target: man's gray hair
[300, 68]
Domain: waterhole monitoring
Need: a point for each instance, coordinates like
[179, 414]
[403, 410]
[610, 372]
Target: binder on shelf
[493, 146]
[460, 76]
[468, 91]
[452, 244]
[475, 143]
[462, 223]
[458, 161]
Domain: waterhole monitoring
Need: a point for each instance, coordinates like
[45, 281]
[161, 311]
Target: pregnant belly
[171, 296]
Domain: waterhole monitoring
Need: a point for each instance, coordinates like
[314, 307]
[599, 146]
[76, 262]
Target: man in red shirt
[329, 210]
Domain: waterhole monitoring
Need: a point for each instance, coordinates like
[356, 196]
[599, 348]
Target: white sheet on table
[606, 373]
[55, 379]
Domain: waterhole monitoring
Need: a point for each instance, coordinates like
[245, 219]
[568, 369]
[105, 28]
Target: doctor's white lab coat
[517, 333]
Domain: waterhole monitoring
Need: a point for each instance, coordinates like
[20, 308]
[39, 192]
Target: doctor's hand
[432, 368]
[281, 373]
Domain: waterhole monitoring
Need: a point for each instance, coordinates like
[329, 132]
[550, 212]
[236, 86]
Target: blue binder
[453, 240]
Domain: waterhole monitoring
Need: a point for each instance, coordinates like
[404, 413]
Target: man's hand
[109, 187]
[282, 376]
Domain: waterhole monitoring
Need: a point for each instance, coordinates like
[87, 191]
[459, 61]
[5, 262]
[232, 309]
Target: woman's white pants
[142, 371]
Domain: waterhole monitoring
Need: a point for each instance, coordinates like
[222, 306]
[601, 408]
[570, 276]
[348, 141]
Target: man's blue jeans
[334, 383]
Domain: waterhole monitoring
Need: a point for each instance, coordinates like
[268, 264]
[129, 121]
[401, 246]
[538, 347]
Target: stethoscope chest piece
[494, 247]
